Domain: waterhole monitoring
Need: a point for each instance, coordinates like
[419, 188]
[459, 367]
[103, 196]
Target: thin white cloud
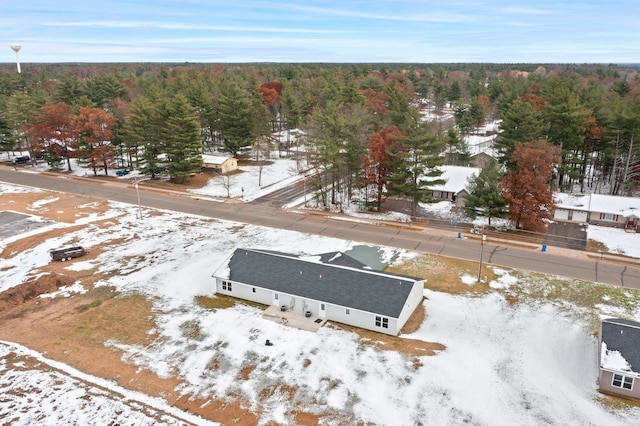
[435, 17]
[190, 27]
[527, 11]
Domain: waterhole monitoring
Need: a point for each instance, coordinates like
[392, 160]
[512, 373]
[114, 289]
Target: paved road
[568, 263]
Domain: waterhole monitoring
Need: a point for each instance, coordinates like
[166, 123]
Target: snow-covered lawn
[253, 182]
[526, 363]
[37, 390]
[616, 240]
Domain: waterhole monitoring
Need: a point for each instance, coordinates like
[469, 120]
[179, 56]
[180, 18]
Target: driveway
[566, 235]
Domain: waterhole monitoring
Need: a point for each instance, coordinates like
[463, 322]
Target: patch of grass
[191, 330]
[596, 246]
[216, 302]
[617, 403]
[583, 298]
[94, 304]
[386, 342]
[126, 318]
[444, 274]
[221, 301]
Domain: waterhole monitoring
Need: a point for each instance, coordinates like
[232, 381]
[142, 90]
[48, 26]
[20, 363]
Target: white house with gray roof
[331, 286]
[599, 209]
[455, 187]
[620, 357]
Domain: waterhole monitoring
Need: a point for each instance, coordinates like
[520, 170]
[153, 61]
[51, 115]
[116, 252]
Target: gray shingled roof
[623, 336]
[371, 291]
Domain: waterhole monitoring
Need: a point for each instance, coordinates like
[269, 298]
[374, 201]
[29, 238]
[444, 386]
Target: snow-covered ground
[60, 395]
[253, 183]
[527, 363]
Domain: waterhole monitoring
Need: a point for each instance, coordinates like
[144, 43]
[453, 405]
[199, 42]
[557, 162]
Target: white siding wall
[244, 291]
[335, 313]
[414, 299]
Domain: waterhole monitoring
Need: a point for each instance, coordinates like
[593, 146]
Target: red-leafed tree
[376, 101]
[526, 189]
[378, 164]
[94, 127]
[271, 92]
[53, 135]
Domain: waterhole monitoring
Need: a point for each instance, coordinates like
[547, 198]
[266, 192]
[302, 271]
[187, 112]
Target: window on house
[226, 285]
[624, 382]
[609, 216]
[275, 296]
[382, 322]
[348, 312]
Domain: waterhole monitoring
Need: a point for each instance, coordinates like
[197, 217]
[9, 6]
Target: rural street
[556, 261]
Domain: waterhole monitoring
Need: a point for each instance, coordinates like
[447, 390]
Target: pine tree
[182, 140]
[521, 122]
[485, 194]
[416, 164]
[567, 119]
[235, 115]
[141, 133]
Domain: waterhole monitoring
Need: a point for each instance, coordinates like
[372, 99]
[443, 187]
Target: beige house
[220, 164]
[619, 357]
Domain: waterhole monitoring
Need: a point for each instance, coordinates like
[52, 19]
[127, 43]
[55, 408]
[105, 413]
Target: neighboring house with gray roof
[331, 286]
[599, 209]
[455, 187]
[619, 356]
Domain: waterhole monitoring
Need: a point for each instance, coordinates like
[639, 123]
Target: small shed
[220, 163]
[619, 357]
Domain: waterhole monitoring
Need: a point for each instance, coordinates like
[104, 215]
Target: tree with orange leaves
[377, 165]
[53, 135]
[94, 127]
[270, 92]
[527, 187]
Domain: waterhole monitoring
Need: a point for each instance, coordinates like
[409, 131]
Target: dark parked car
[122, 172]
[23, 159]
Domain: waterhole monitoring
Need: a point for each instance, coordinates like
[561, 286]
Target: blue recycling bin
[459, 234]
[544, 248]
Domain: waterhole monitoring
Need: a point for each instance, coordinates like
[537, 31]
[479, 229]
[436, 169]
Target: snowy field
[528, 363]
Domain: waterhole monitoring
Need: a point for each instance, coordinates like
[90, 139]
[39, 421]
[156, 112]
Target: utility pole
[482, 238]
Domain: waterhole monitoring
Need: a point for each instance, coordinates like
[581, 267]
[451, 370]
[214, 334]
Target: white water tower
[16, 48]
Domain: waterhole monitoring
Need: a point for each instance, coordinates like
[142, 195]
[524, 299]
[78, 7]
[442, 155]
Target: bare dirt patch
[44, 284]
[197, 181]
[63, 207]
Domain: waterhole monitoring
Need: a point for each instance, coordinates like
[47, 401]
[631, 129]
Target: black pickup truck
[67, 253]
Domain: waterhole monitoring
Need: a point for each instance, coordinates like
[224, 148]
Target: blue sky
[567, 31]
